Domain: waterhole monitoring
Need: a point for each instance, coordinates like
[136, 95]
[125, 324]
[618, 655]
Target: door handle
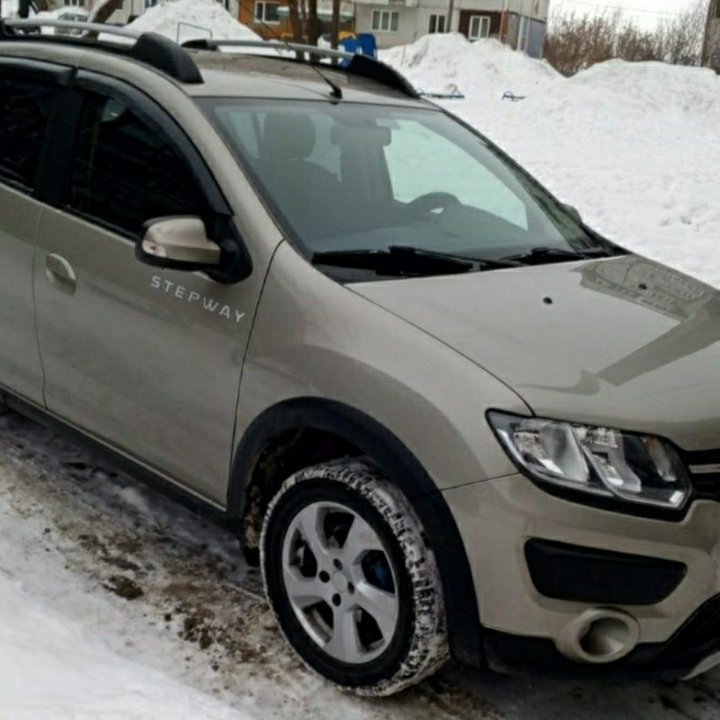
[60, 273]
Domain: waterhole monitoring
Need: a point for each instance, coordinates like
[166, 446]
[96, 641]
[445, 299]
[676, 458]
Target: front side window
[437, 23]
[267, 12]
[24, 113]
[350, 178]
[385, 20]
[127, 171]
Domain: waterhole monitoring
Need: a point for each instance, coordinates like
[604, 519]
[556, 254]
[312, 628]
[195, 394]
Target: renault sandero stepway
[446, 417]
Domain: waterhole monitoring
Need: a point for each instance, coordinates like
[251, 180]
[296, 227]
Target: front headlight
[639, 468]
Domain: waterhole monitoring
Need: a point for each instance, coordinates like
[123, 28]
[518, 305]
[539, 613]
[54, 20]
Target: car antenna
[335, 90]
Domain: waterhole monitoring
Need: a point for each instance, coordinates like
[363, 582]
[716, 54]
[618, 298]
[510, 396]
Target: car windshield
[351, 178]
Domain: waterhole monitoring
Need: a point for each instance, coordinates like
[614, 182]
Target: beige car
[447, 417]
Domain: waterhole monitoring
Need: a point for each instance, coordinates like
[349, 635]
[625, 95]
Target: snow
[74, 14]
[8, 8]
[52, 669]
[117, 603]
[435, 62]
[633, 146]
[184, 20]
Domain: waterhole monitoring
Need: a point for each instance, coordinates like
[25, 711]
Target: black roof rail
[173, 60]
[149, 48]
[362, 65]
[167, 56]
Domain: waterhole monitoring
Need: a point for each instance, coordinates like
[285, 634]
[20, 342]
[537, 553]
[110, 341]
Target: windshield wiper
[483, 263]
[392, 261]
[405, 260]
[542, 254]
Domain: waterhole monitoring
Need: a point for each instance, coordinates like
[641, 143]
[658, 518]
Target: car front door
[28, 91]
[147, 360]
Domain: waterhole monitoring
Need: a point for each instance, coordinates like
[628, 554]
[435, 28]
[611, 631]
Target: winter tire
[351, 580]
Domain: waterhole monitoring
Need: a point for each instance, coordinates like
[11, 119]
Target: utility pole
[504, 22]
[711, 44]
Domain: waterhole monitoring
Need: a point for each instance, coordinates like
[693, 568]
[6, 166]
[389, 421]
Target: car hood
[622, 341]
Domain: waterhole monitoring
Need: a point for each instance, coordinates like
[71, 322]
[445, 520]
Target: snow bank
[183, 20]
[436, 61]
[52, 670]
[635, 147]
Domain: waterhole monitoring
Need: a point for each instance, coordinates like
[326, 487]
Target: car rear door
[144, 359]
[28, 92]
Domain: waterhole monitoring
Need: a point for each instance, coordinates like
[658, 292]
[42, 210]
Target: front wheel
[351, 581]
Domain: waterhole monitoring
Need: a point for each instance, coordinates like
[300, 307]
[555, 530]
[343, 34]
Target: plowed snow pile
[189, 19]
[635, 147]
[435, 62]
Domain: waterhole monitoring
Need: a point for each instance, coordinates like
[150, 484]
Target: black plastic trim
[360, 65]
[372, 69]
[218, 220]
[38, 70]
[695, 640]
[46, 74]
[583, 574]
[405, 470]
[167, 56]
[120, 461]
[150, 49]
[55, 162]
[148, 108]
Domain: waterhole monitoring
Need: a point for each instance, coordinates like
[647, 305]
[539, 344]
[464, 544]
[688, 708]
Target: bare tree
[104, 9]
[711, 42]
[313, 23]
[679, 40]
[295, 20]
[577, 42]
[335, 24]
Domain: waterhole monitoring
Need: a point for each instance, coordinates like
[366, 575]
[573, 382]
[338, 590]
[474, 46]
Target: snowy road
[117, 603]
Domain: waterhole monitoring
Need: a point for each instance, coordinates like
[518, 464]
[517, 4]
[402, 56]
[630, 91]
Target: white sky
[646, 12]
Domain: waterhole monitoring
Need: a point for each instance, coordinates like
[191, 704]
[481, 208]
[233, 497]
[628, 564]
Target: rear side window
[24, 113]
[127, 170]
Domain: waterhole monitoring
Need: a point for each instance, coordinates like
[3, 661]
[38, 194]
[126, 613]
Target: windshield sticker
[192, 297]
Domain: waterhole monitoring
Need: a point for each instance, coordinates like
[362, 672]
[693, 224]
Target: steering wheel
[431, 201]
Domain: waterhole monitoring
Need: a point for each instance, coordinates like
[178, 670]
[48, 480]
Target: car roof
[236, 72]
[228, 74]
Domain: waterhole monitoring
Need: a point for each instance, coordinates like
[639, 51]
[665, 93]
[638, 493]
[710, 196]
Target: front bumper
[524, 629]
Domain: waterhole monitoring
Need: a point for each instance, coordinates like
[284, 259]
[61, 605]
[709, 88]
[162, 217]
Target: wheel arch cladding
[305, 431]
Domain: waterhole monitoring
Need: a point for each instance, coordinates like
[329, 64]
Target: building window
[437, 23]
[267, 12]
[75, 3]
[479, 27]
[150, 3]
[385, 20]
[523, 34]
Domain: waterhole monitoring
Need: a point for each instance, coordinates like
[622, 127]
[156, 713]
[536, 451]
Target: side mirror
[177, 243]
